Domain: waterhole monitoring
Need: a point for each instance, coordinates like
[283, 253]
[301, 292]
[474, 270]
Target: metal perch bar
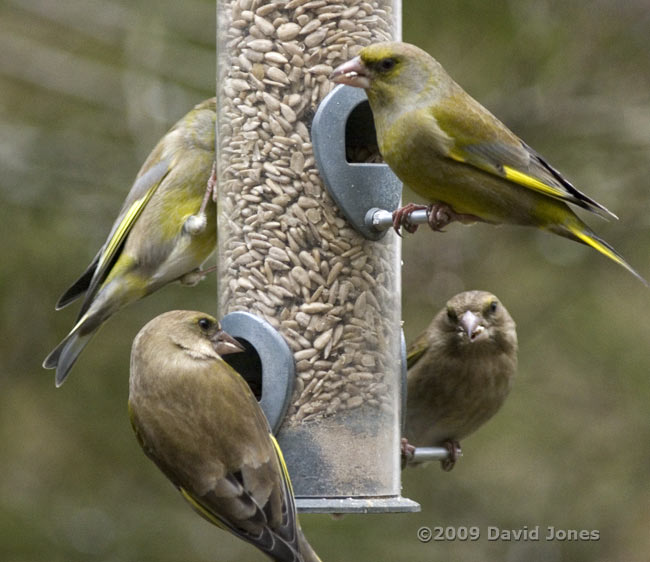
[381, 219]
[427, 454]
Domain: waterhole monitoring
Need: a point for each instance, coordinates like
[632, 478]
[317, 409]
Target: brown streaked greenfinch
[163, 233]
[199, 422]
[460, 370]
[452, 151]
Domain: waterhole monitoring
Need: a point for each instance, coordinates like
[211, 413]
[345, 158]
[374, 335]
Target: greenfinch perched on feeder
[460, 370]
[198, 421]
[164, 232]
[453, 152]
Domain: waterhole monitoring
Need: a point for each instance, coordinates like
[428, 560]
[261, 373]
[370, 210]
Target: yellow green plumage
[148, 245]
[450, 150]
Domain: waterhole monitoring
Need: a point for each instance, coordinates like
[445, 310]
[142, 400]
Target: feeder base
[392, 504]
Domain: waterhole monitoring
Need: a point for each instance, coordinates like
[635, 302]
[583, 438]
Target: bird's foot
[440, 215]
[408, 452]
[212, 183]
[455, 453]
[196, 276]
[401, 217]
[195, 224]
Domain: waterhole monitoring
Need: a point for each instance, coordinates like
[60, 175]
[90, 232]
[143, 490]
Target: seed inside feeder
[332, 294]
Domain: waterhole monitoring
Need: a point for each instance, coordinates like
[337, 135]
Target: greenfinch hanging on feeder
[460, 370]
[198, 421]
[452, 151]
[165, 230]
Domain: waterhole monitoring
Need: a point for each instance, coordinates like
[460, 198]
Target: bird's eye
[451, 314]
[205, 323]
[387, 64]
[492, 307]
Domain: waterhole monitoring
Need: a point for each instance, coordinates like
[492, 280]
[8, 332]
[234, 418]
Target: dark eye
[387, 64]
[492, 307]
[205, 323]
[451, 314]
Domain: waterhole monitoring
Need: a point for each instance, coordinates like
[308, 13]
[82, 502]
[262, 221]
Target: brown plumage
[198, 421]
[460, 371]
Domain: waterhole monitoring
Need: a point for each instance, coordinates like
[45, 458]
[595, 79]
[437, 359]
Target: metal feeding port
[342, 125]
[267, 366]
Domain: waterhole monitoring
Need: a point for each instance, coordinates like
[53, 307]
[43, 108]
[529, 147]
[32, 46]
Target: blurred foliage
[87, 87]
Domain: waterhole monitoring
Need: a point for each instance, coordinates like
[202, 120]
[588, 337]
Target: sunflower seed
[287, 253]
[287, 31]
[264, 25]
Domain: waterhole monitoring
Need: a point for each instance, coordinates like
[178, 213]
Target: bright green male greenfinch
[163, 233]
[460, 370]
[452, 151]
[198, 421]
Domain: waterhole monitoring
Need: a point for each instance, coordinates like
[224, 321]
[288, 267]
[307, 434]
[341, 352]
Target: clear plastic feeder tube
[288, 255]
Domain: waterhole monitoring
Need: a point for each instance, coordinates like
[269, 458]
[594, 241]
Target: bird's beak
[352, 73]
[224, 343]
[471, 325]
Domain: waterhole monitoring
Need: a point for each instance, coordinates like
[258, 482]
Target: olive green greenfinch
[452, 151]
[198, 421]
[460, 370]
[164, 232]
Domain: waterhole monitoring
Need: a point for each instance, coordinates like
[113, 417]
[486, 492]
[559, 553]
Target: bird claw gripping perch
[408, 452]
[454, 453]
[438, 215]
[402, 217]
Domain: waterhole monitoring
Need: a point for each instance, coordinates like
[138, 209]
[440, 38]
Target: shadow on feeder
[248, 365]
[361, 137]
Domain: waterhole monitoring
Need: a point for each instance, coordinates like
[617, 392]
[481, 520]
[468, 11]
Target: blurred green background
[86, 89]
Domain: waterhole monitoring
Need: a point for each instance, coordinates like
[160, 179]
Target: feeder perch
[428, 454]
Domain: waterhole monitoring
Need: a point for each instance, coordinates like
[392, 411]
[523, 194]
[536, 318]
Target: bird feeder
[314, 294]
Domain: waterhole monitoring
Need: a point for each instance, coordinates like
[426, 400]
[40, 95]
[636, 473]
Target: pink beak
[471, 325]
[351, 73]
[224, 343]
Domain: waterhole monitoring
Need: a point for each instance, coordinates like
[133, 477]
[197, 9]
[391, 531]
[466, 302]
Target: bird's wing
[416, 350]
[253, 499]
[232, 506]
[217, 449]
[481, 140]
[143, 189]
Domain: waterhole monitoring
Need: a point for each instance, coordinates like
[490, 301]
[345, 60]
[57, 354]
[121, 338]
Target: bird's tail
[579, 231]
[307, 552]
[64, 355]
[80, 286]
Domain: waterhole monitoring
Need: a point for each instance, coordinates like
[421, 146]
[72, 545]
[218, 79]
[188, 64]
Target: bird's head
[477, 318]
[391, 72]
[198, 334]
